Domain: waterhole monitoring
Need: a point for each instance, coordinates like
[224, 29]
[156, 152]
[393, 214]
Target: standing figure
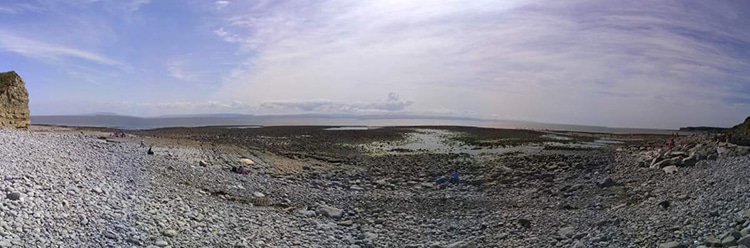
[454, 177]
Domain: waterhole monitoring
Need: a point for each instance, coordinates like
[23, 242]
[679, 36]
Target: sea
[136, 123]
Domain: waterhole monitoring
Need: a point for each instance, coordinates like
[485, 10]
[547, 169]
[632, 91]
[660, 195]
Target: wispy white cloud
[7, 10]
[134, 5]
[48, 51]
[222, 4]
[392, 103]
[548, 61]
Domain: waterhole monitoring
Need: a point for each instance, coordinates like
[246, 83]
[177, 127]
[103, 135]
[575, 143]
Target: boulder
[247, 161]
[14, 101]
[14, 196]
[670, 169]
[712, 242]
[728, 241]
[744, 241]
[690, 161]
[566, 232]
[673, 244]
[330, 212]
[607, 182]
[461, 244]
[662, 163]
[524, 223]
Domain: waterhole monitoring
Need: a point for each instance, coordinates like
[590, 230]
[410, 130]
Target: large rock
[329, 211]
[670, 169]
[566, 232]
[744, 241]
[14, 101]
[672, 244]
[462, 244]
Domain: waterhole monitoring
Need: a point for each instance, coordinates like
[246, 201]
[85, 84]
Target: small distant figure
[143, 144]
[671, 143]
[454, 177]
[150, 152]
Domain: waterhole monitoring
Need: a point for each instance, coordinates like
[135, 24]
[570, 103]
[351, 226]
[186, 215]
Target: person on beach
[454, 177]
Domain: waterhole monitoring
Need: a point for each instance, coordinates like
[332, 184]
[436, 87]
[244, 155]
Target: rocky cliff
[14, 101]
[740, 134]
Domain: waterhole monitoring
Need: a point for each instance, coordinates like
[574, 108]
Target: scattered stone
[97, 190]
[427, 185]
[690, 161]
[744, 241]
[203, 163]
[524, 223]
[307, 213]
[150, 151]
[566, 232]
[169, 232]
[161, 243]
[14, 196]
[607, 182]
[673, 244]
[370, 236]
[461, 244]
[258, 194]
[247, 161]
[330, 212]
[712, 242]
[345, 223]
[664, 204]
[728, 241]
[240, 170]
[109, 235]
[579, 244]
[670, 169]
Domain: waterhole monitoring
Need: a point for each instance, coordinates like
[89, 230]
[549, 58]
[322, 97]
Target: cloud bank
[660, 64]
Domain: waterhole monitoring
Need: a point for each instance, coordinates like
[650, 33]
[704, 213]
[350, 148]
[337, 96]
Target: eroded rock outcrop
[740, 134]
[14, 101]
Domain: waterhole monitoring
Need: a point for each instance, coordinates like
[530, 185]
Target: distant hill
[220, 115]
[704, 129]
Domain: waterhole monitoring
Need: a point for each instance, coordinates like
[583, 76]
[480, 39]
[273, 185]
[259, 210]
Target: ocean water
[126, 122]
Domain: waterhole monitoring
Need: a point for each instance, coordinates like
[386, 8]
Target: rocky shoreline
[92, 188]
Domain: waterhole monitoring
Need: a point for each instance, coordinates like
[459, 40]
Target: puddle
[556, 137]
[245, 127]
[347, 128]
[438, 141]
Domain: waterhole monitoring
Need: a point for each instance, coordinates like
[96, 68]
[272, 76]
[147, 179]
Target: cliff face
[14, 101]
[741, 133]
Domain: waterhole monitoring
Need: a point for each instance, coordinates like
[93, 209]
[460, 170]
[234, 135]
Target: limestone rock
[247, 161]
[566, 232]
[672, 244]
[329, 211]
[670, 169]
[14, 101]
[744, 241]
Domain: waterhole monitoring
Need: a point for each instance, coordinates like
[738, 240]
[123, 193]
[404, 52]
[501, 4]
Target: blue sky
[658, 64]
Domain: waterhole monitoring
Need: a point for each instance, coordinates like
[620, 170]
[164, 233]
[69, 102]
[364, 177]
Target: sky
[649, 64]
